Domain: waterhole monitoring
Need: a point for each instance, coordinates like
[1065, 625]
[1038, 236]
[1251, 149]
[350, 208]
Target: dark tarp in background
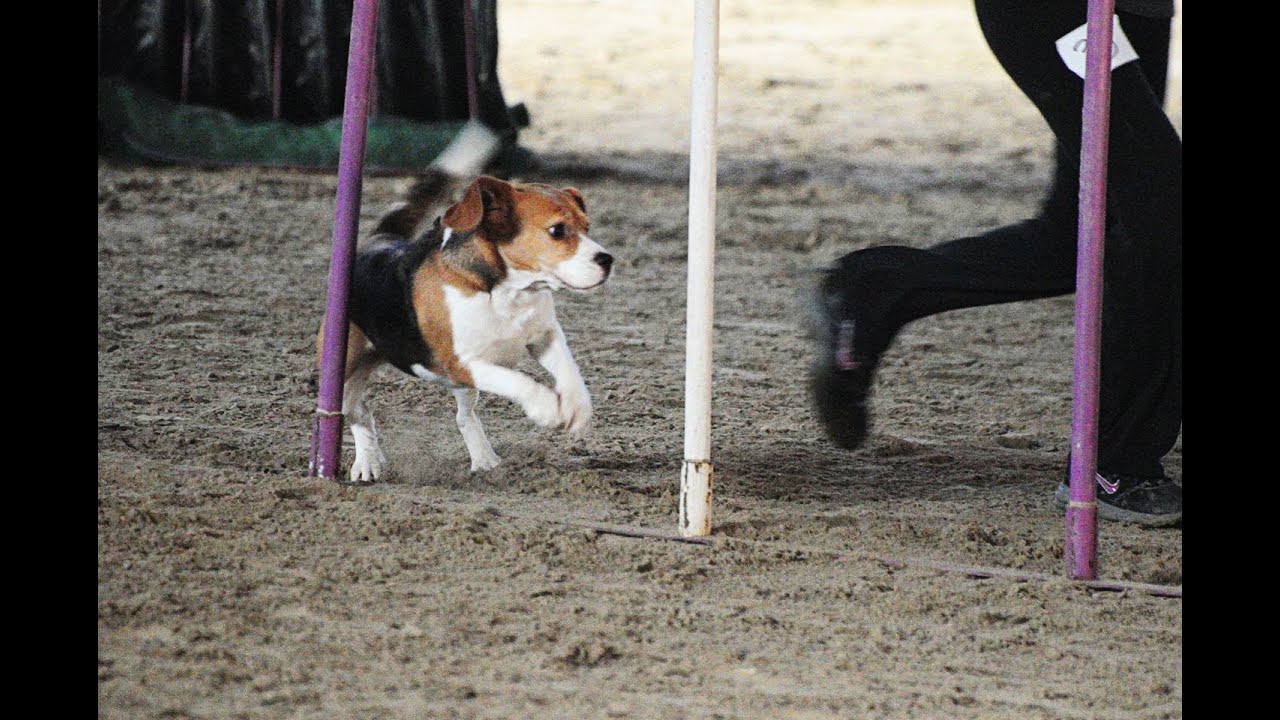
[420, 98]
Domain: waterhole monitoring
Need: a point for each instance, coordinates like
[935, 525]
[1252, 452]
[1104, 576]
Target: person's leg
[872, 293]
[1141, 403]
[1036, 257]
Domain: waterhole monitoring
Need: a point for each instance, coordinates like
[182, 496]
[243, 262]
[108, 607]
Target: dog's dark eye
[557, 231]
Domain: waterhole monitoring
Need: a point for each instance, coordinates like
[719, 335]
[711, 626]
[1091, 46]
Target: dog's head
[539, 232]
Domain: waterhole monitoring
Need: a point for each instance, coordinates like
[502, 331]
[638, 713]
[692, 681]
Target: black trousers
[1141, 389]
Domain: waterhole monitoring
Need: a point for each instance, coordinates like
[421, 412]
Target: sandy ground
[231, 585]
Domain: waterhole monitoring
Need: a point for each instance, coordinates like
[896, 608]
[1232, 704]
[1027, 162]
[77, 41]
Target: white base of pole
[695, 498]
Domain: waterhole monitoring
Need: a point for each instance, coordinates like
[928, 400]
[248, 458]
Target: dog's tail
[430, 188]
[466, 156]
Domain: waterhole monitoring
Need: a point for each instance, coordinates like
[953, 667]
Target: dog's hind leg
[369, 458]
[482, 455]
[362, 360]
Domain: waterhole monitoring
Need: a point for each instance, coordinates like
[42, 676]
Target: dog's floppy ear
[577, 197]
[488, 205]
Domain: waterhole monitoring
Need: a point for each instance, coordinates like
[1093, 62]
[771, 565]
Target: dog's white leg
[539, 402]
[482, 455]
[574, 399]
[369, 458]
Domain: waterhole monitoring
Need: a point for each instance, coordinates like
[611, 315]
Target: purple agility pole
[326, 434]
[1081, 547]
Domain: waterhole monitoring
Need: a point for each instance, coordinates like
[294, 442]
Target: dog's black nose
[604, 260]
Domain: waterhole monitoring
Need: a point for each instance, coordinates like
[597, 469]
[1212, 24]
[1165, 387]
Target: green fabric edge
[139, 125]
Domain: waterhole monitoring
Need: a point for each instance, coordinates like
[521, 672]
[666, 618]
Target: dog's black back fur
[381, 302]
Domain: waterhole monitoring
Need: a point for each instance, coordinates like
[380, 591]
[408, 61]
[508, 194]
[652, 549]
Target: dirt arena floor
[230, 585]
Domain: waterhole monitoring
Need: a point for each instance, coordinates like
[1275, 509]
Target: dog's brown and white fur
[466, 301]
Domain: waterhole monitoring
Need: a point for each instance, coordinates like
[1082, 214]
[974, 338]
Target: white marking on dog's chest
[497, 326]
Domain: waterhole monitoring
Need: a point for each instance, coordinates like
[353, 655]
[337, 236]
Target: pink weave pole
[326, 432]
[1081, 546]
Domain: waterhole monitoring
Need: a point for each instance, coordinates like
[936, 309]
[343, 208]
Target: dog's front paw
[486, 462]
[543, 408]
[367, 467]
[575, 410]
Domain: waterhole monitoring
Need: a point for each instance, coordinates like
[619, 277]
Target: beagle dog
[466, 300]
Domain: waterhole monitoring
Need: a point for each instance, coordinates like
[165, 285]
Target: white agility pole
[695, 476]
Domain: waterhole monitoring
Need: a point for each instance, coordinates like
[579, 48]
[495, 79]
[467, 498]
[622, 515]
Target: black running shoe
[845, 361]
[1148, 501]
